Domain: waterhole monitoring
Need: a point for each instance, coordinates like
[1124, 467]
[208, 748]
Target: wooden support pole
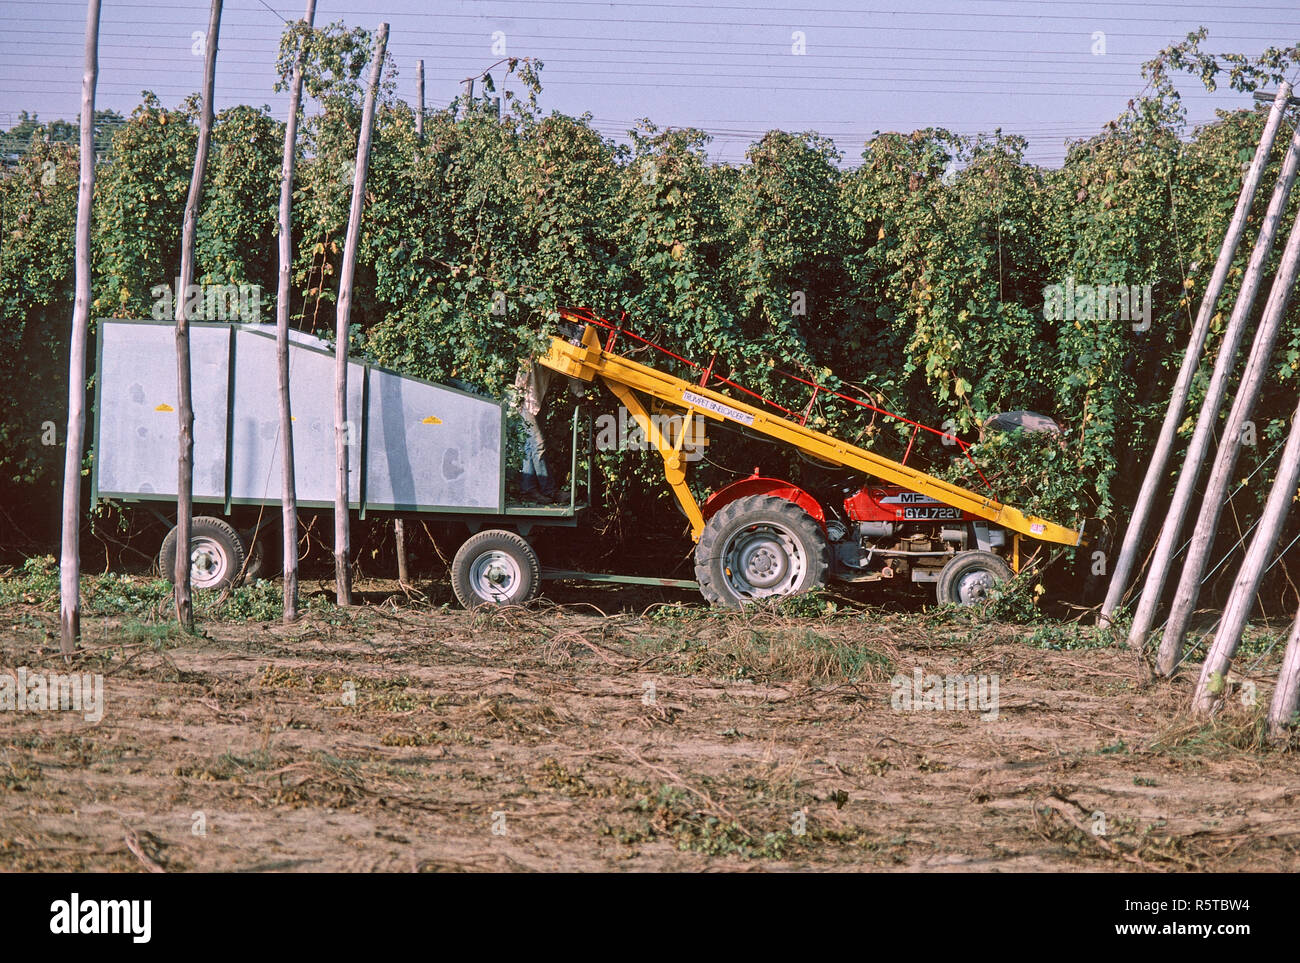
[184, 400]
[1276, 508]
[288, 485]
[343, 436]
[1252, 383]
[1153, 481]
[1263, 95]
[1286, 697]
[1219, 659]
[419, 100]
[1202, 436]
[399, 530]
[70, 550]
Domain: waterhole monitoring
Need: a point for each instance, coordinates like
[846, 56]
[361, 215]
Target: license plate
[919, 514]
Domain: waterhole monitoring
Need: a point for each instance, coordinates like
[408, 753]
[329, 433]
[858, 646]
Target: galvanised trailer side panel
[415, 446]
[255, 425]
[430, 445]
[135, 446]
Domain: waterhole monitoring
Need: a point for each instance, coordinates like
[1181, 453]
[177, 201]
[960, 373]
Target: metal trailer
[417, 448]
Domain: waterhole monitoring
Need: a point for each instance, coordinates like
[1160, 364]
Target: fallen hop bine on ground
[423, 450]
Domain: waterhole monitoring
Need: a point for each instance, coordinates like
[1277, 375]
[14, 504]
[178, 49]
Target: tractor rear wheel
[968, 577]
[495, 567]
[217, 554]
[763, 546]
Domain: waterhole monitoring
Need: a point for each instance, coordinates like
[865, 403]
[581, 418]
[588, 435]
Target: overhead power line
[784, 25]
[1091, 5]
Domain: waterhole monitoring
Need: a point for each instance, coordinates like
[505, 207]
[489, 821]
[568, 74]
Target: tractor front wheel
[763, 546]
[968, 577]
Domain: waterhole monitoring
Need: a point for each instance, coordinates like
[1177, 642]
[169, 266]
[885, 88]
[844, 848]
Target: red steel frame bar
[590, 317]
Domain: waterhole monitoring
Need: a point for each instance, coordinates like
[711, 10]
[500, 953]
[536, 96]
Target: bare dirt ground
[405, 738]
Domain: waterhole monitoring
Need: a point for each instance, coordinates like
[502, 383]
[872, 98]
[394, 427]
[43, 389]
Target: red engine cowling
[893, 503]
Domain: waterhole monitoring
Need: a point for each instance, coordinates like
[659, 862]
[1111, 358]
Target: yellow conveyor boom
[588, 361]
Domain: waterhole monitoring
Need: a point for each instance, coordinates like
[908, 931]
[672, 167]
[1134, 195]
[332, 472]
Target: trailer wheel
[495, 567]
[763, 546]
[217, 554]
[969, 576]
[265, 553]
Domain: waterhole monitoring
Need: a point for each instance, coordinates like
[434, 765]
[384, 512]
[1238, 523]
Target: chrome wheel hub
[974, 587]
[763, 561]
[494, 576]
[209, 565]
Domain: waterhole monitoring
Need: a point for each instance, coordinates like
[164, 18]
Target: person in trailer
[536, 483]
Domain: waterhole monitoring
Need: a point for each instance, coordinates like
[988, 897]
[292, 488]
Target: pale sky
[1040, 68]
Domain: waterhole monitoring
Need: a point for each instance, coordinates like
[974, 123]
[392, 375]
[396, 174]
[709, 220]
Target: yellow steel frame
[624, 378]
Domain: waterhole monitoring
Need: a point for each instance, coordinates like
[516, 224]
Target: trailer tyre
[495, 567]
[217, 554]
[968, 577]
[265, 553]
[763, 546]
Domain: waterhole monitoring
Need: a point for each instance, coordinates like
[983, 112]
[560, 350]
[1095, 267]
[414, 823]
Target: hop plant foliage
[914, 275]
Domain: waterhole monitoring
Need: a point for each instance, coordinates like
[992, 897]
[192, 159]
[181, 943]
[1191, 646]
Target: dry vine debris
[393, 737]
